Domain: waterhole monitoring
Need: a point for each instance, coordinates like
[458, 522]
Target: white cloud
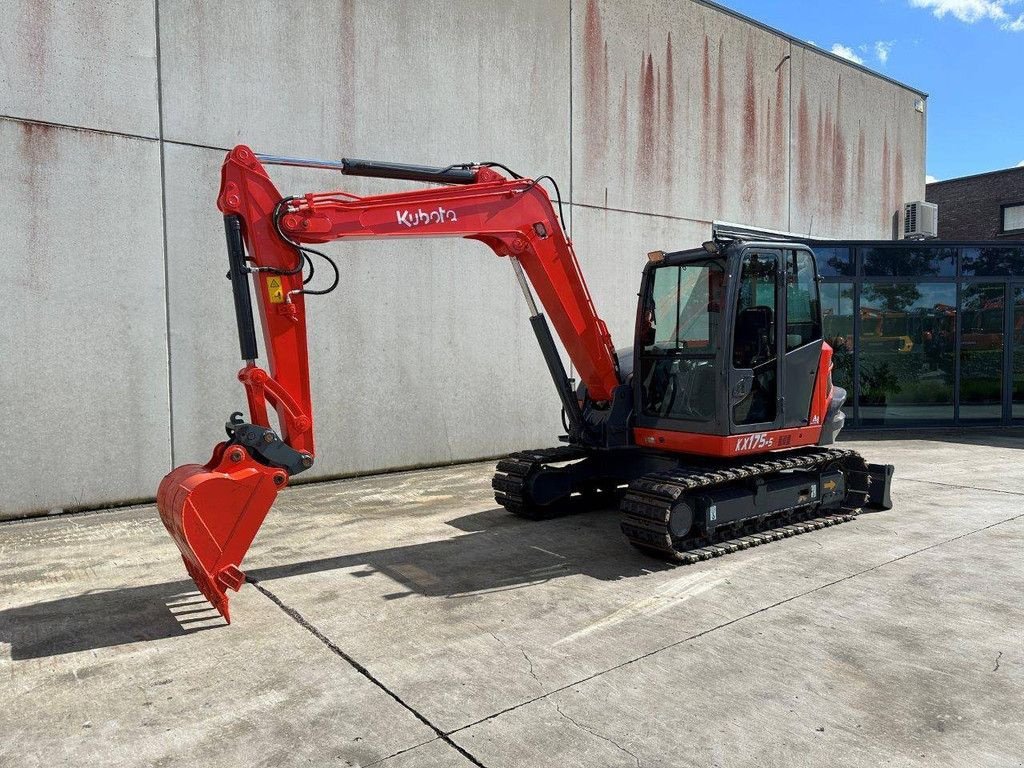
[970, 11]
[846, 52]
[1020, 164]
[882, 50]
[929, 179]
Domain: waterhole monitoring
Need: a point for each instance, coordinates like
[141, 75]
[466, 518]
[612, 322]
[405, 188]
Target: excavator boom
[213, 511]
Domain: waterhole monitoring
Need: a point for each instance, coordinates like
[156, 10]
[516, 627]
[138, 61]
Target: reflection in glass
[981, 351]
[990, 262]
[837, 319]
[1017, 393]
[834, 262]
[907, 353]
[909, 261]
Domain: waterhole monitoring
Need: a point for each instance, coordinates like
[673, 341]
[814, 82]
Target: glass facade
[925, 333]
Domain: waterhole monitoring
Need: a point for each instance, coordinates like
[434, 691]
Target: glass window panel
[1013, 217]
[834, 262]
[987, 262]
[907, 335]
[837, 320]
[801, 301]
[1017, 389]
[685, 309]
[909, 261]
[981, 351]
[754, 337]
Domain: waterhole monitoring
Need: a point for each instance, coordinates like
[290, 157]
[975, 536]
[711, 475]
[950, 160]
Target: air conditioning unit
[920, 220]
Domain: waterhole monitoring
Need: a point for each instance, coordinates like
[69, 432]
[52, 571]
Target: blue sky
[968, 55]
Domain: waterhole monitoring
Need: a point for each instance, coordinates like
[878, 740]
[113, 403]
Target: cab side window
[803, 314]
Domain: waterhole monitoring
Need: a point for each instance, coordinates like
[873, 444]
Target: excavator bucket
[213, 511]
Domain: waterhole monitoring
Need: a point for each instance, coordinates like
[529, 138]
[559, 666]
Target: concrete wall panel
[612, 249]
[84, 373]
[423, 355]
[87, 64]
[405, 81]
[857, 147]
[679, 109]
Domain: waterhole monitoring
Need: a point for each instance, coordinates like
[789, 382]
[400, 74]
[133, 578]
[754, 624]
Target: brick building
[986, 206]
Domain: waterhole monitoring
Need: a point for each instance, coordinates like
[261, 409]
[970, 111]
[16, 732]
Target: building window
[837, 318]
[992, 262]
[1013, 217]
[981, 350]
[909, 261]
[834, 262]
[907, 353]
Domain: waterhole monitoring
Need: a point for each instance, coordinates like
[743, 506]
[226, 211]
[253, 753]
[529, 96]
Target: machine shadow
[105, 618]
[496, 551]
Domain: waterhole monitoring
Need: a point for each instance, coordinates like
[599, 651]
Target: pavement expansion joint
[301, 620]
[738, 619]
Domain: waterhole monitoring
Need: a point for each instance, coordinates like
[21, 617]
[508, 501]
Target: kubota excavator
[714, 432]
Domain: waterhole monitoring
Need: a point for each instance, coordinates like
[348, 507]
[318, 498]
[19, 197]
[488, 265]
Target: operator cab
[728, 341]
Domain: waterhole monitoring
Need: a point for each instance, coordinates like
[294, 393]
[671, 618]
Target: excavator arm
[213, 511]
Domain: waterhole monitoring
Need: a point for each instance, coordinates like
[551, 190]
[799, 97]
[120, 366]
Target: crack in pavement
[301, 620]
[400, 752]
[601, 736]
[530, 662]
[963, 487]
[730, 622]
[997, 661]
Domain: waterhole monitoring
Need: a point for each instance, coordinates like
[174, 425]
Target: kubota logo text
[754, 442]
[420, 217]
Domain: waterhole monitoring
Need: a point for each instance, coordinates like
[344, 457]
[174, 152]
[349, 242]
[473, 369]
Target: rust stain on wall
[720, 124]
[750, 115]
[36, 150]
[898, 176]
[595, 87]
[646, 114]
[778, 149]
[886, 181]
[345, 66]
[38, 19]
[804, 160]
[624, 130]
[860, 162]
[669, 130]
[838, 156]
[707, 115]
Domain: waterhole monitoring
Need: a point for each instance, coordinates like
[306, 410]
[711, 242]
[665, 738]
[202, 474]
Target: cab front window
[680, 335]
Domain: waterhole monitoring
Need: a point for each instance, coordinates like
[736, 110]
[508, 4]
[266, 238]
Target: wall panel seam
[163, 233]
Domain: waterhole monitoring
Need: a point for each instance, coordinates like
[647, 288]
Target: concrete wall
[656, 117]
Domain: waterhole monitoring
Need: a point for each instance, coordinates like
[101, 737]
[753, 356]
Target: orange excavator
[714, 432]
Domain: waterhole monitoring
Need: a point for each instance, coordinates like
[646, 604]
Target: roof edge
[1017, 168]
[809, 46]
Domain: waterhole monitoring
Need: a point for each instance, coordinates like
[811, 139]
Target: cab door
[800, 334]
[757, 346]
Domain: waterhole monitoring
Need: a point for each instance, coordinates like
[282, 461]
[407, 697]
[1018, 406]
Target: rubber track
[647, 505]
[513, 471]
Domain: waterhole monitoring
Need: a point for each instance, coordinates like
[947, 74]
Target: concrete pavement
[403, 620]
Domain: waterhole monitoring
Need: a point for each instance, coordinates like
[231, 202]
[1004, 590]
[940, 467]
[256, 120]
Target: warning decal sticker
[275, 289]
